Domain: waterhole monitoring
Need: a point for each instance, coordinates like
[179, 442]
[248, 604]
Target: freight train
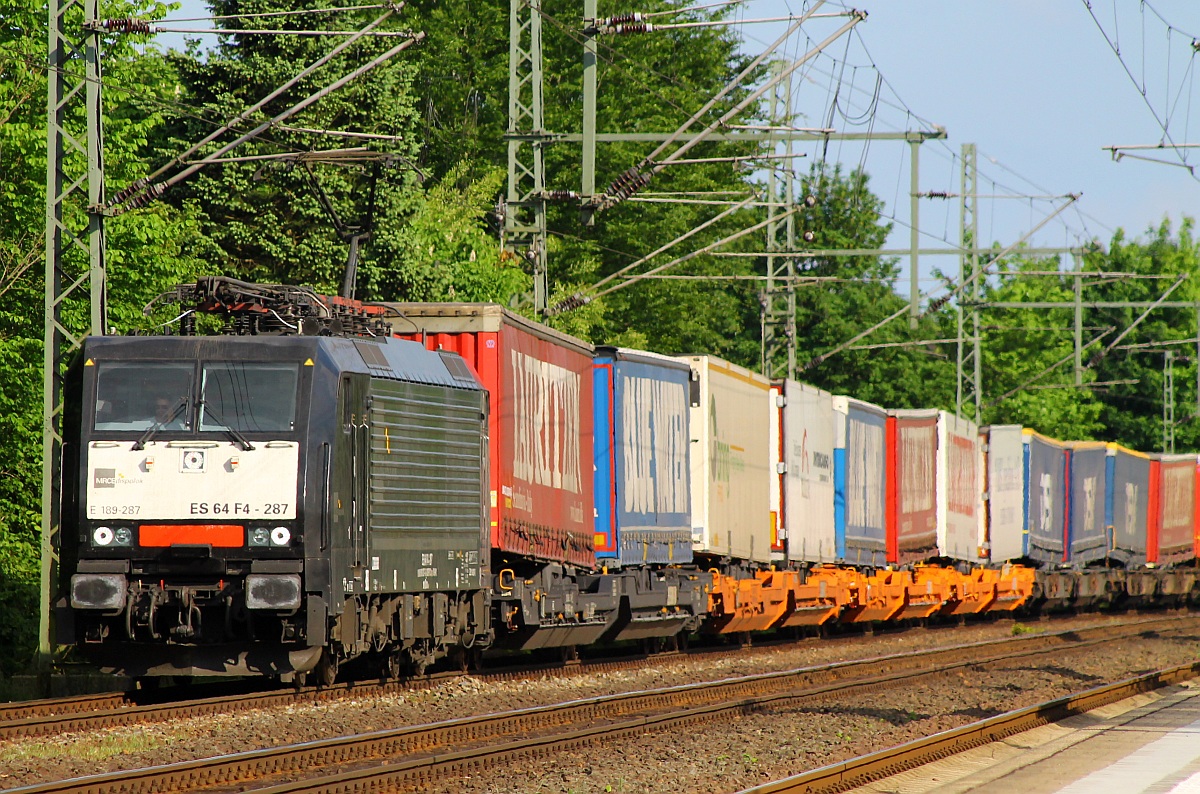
[290, 481]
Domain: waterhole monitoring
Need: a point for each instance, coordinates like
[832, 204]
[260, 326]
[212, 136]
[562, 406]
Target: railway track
[894, 760]
[417, 756]
[115, 709]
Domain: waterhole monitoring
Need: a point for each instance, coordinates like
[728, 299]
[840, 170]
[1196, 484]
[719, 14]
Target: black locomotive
[217, 488]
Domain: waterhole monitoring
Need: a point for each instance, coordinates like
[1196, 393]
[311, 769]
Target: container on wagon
[641, 452]
[731, 462]
[1087, 533]
[805, 483]
[1127, 505]
[540, 384]
[860, 481]
[1002, 493]
[1045, 498]
[1172, 532]
[933, 486]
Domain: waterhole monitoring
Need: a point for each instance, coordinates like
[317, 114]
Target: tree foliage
[438, 112]
[148, 250]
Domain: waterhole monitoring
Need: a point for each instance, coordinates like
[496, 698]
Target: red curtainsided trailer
[540, 383]
[933, 486]
[1173, 509]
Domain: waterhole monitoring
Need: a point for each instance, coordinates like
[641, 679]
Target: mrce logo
[192, 461]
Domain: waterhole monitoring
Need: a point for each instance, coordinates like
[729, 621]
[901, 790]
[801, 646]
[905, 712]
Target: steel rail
[886, 763]
[114, 709]
[35, 709]
[416, 755]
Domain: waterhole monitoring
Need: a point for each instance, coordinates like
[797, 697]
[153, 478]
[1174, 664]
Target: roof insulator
[129, 25]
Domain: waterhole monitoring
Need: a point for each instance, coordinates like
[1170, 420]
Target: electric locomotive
[291, 492]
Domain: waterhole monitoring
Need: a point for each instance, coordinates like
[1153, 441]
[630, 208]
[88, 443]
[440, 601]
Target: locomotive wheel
[391, 666]
[327, 669]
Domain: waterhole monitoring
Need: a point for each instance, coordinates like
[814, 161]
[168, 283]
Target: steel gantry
[74, 242]
[525, 200]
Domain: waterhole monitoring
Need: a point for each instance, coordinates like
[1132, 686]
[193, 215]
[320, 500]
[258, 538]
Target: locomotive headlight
[260, 536]
[280, 536]
[122, 536]
[102, 536]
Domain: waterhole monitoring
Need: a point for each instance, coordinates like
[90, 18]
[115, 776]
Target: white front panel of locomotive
[192, 482]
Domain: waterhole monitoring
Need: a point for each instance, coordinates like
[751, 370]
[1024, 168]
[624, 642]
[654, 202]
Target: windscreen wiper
[237, 436]
[154, 428]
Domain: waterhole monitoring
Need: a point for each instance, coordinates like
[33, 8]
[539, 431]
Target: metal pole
[789, 327]
[1078, 320]
[769, 301]
[1169, 402]
[525, 215]
[74, 223]
[969, 384]
[588, 188]
[914, 310]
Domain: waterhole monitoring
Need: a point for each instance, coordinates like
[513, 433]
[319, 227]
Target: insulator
[122, 195]
[129, 25]
[809, 236]
[810, 201]
[938, 303]
[560, 195]
[569, 303]
[621, 19]
[634, 27]
[151, 193]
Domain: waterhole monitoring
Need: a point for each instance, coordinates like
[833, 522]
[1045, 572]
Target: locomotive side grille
[426, 480]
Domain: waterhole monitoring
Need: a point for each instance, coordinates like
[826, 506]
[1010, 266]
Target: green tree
[1132, 410]
[268, 222]
[851, 294]
[149, 250]
[1019, 348]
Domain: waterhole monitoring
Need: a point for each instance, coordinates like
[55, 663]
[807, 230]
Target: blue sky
[1033, 83]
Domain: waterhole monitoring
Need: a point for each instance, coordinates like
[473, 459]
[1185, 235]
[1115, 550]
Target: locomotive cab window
[250, 397]
[136, 396]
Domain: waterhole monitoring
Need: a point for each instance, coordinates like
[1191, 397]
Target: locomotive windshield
[249, 397]
[138, 396]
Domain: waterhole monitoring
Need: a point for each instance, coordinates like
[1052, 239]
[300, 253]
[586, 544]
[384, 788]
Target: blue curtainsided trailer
[1127, 505]
[641, 452]
[1045, 498]
[860, 481]
[1088, 485]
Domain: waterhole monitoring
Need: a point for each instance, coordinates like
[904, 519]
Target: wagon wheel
[391, 666]
[327, 669]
